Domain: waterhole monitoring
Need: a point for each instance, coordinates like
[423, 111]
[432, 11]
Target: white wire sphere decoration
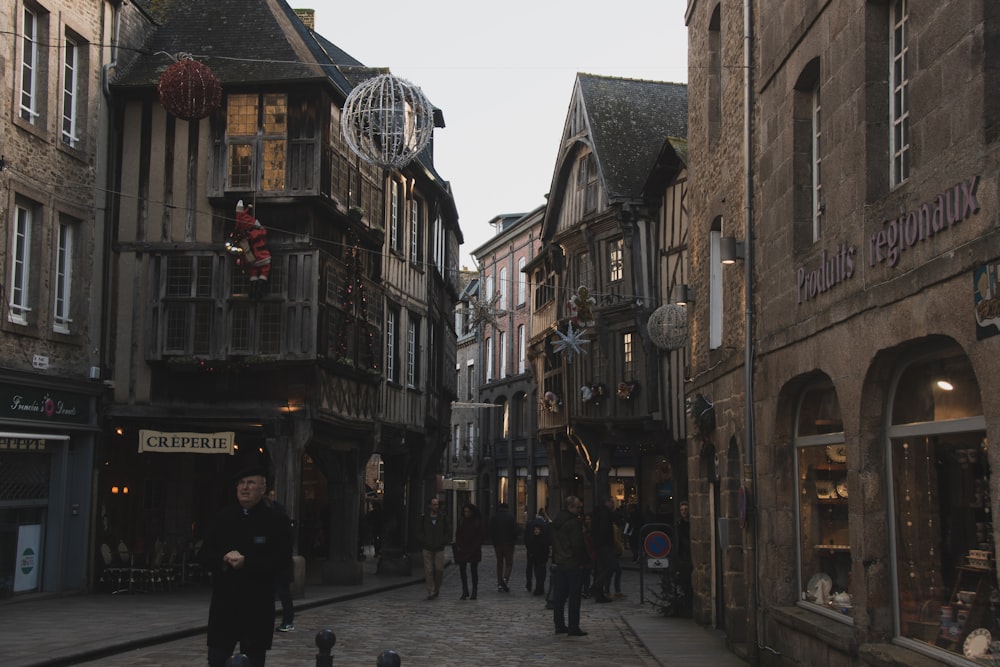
[387, 121]
[668, 326]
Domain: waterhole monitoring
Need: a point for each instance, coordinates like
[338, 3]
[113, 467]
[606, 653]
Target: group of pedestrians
[584, 552]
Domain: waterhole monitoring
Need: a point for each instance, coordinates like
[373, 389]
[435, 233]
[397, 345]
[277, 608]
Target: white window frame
[521, 349]
[411, 354]
[20, 266]
[28, 93]
[616, 259]
[414, 230]
[817, 164]
[390, 345]
[71, 67]
[63, 283]
[394, 215]
[522, 281]
[503, 354]
[489, 360]
[899, 92]
[503, 288]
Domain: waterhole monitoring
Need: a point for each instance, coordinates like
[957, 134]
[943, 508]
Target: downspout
[749, 470]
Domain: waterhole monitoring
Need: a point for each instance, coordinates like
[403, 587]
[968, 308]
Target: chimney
[308, 18]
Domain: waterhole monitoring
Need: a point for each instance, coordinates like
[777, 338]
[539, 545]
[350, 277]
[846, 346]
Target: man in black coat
[503, 534]
[248, 547]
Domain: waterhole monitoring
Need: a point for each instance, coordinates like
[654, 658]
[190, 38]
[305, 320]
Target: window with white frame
[616, 252]
[456, 441]
[470, 442]
[416, 231]
[522, 281]
[395, 211]
[63, 282]
[412, 351]
[503, 354]
[391, 324]
[490, 289]
[71, 82]
[489, 359]
[19, 294]
[32, 86]
[257, 133]
[817, 163]
[504, 287]
[899, 93]
[521, 348]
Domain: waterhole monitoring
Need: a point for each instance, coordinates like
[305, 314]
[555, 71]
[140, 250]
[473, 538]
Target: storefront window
[824, 542]
[943, 532]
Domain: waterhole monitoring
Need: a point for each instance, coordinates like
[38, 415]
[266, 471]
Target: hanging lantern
[667, 326]
[387, 121]
[189, 90]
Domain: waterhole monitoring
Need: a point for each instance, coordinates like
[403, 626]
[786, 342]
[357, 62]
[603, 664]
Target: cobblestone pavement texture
[385, 613]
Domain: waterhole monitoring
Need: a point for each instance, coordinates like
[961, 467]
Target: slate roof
[243, 41]
[630, 120]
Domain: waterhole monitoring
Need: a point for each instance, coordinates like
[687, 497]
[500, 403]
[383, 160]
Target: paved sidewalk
[70, 630]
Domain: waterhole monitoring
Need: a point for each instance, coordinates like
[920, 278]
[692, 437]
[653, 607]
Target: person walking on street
[603, 536]
[503, 533]
[569, 556]
[434, 535]
[249, 545]
[537, 544]
[468, 548]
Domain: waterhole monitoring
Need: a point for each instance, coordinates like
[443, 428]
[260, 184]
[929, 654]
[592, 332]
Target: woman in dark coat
[468, 547]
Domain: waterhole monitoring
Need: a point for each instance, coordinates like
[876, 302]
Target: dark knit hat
[250, 471]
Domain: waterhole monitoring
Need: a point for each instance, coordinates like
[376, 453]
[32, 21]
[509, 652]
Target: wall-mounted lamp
[682, 294]
[730, 249]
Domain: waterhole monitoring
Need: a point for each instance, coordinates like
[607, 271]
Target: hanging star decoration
[571, 342]
[485, 312]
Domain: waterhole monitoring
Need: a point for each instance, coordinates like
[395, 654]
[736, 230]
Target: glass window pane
[823, 526]
[241, 166]
[944, 538]
[819, 412]
[275, 115]
[936, 389]
[242, 115]
[274, 165]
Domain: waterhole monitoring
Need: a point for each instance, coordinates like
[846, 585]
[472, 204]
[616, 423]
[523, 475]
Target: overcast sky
[502, 74]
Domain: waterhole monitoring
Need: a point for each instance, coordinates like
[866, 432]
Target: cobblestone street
[498, 629]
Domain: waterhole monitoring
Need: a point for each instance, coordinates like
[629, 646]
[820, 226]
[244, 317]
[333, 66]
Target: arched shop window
[824, 542]
[939, 503]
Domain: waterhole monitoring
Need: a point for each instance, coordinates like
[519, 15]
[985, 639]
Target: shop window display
[943, 530]
[824, 541]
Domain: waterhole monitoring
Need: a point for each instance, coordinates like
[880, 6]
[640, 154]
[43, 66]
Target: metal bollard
[238, 660]
[325, 640]
[388, 659]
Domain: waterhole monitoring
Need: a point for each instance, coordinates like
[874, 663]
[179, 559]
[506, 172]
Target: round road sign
[657, 544]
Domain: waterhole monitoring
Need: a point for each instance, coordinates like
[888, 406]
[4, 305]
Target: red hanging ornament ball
[189, 90]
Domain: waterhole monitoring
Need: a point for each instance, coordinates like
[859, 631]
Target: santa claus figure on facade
[248, 243]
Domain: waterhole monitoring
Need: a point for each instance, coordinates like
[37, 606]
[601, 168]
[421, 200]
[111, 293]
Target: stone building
[53, 179]
[515, 467]
[844, 502]
[346, 351]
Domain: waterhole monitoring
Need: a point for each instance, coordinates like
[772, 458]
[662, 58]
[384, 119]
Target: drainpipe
[749, 471]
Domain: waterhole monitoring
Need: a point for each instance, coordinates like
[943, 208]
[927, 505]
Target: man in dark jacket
[249, 546]
[503, 533]
[434, 535]
[569, 555]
